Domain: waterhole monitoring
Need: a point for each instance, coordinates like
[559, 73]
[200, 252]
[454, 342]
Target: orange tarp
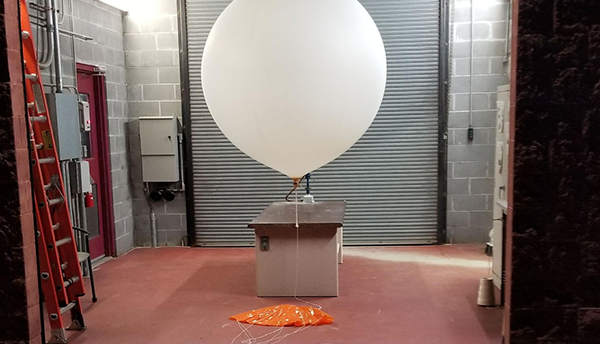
[284, 315]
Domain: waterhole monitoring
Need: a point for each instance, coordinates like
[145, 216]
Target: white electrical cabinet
[81, 180]
[159, 146]
[501, 183]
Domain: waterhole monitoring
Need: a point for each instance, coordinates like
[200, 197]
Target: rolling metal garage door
[389, 178]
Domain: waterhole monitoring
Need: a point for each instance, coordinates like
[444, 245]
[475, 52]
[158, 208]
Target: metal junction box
[159, 148]
[64, 114]
[81, 180]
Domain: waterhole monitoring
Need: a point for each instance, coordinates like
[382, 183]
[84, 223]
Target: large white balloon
[294, 83]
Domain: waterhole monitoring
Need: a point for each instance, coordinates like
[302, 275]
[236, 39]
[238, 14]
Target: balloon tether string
[277, 333]
[298, 252]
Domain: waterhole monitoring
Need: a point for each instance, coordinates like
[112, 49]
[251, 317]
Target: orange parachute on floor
[285, 315]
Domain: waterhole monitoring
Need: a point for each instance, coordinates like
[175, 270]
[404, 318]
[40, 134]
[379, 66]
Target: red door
[95, 149]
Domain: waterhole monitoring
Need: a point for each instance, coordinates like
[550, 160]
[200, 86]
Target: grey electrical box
[64, 115]
[159, 148]
[81, 180]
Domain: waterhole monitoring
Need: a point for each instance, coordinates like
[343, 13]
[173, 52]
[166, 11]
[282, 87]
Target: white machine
[501, 184]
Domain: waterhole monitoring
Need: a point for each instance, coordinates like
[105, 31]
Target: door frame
[99, 80]
[186, 116]
[443, 84]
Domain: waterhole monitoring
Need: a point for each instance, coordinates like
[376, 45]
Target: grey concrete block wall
[141, 55]
[170, 216]
[152, 58]
[105, 25]
[471, 164]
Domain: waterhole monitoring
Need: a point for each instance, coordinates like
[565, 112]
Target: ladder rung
[56, 273]
[70, 281]
[54, 201]
[67, 307]
[82, 256]
[47, 160]
[63, 241]
[38, 118]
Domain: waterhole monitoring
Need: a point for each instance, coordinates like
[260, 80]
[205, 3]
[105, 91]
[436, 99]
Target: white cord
[279, 330]
[297, 245]
[298, 260]
[253, 340]
[244, 329]
[277, 338]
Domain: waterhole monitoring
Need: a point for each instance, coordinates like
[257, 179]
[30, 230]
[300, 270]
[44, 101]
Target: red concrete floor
[424, 295]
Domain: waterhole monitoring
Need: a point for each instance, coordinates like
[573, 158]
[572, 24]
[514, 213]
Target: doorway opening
[91, 86]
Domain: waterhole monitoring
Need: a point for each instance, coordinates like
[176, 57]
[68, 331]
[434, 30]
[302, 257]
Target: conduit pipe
[153, 228]
[64, 32]
[470, 131]
[57, 58]
[48, 55]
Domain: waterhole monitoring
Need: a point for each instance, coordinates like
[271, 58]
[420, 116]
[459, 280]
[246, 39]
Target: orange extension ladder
[60, 272]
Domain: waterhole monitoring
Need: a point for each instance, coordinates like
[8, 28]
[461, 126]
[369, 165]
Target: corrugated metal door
[389, 178]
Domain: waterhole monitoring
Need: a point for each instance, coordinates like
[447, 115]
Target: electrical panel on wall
[84, 110]
[64, 113]
[500, 183]
[159, 146]
[85, 125]
[500, 120]
[81, 180]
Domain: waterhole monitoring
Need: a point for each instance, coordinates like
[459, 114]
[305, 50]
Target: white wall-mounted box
[81, 180]
[501, 183]
[159, 149]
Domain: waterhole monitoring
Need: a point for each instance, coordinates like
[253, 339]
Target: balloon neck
[296, 181]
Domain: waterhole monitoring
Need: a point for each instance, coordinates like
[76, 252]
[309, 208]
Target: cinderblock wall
[104, 24]
[471, 164]
[140, 51]
[19, 319]
[555, 236]
[153, 89]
